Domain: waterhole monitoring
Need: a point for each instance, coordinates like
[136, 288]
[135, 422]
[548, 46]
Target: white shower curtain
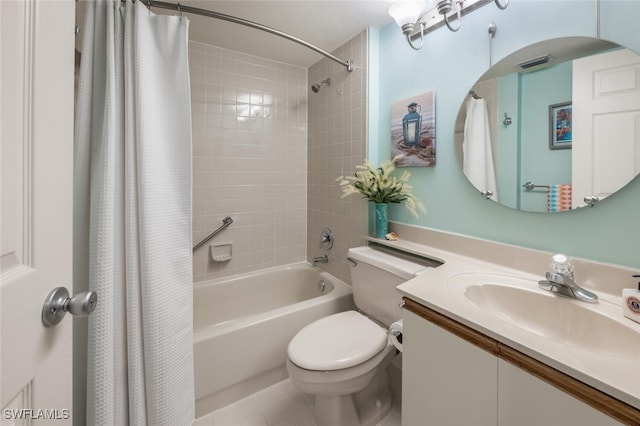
[478, 164]
[132, 215]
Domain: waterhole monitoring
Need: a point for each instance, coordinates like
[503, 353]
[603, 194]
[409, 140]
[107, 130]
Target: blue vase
[382, 220]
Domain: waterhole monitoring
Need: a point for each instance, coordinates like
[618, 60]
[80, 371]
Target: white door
[36, 123]
[606, 123]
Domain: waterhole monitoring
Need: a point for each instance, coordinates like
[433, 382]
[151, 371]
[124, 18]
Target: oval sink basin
[554, 317]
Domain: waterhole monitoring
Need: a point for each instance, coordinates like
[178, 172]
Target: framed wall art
[560, 126]
[413, 130]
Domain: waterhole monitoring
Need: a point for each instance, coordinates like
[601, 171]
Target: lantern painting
[413, 131]
[411, 125]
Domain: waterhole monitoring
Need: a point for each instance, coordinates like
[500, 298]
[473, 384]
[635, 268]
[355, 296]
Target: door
[606, 123]
[36, 127]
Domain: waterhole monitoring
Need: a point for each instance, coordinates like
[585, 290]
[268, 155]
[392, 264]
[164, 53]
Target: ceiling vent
[534, 62]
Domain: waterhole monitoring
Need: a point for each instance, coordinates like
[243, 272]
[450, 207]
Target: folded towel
[559, 197]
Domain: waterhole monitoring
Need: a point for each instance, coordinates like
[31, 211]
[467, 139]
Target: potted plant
[379, 186]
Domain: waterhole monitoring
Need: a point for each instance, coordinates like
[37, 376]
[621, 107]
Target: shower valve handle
[326, 239]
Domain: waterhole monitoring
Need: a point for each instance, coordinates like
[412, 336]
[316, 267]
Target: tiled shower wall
[337, 143]
[249, 159]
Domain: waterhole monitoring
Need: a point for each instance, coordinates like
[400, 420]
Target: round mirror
[553, 126]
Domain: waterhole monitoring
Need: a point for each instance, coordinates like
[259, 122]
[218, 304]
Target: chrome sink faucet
[561, 281]
[564, 285]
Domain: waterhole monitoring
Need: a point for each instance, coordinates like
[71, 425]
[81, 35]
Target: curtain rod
[216, 15]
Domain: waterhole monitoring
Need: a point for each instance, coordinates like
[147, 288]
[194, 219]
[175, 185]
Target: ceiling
[325, 23]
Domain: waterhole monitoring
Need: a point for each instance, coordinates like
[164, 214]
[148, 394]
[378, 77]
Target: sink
[520, 303]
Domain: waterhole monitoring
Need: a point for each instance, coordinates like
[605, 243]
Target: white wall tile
[250, 158]
[337, 144]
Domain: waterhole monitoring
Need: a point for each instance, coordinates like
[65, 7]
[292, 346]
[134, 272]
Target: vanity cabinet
[525, 400]
[445, 379]
[454, 375]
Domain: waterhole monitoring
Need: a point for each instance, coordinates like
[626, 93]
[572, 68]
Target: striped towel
[559, 197]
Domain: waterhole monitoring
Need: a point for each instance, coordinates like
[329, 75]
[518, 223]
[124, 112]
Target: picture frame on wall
[413, 130]
[560, 126]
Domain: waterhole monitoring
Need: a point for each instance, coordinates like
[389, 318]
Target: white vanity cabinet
[525, 400]
[445, 379]
[454, 375]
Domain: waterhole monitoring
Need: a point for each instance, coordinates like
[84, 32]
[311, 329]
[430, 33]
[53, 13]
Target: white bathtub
[243, 324]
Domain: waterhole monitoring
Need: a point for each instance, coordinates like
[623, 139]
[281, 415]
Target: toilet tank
[374, 278]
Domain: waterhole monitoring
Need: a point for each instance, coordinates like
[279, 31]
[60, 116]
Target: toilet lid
[338, 341]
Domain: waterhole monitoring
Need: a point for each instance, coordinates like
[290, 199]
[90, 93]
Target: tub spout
[320, 259]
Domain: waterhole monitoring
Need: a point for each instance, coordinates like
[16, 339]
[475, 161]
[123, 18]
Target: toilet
[342, 359]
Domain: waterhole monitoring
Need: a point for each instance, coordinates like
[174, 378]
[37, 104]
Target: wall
[337, 143]
[249, 159]
[508, 153]
[539, 164]
[450, 63]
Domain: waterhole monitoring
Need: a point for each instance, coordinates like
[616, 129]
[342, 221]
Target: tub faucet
[320, 259]
[565, 285]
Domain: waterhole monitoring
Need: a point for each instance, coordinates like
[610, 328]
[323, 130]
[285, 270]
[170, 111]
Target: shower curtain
[132, 215]
[477, 153]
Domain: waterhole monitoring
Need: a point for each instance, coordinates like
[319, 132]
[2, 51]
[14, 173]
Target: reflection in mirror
[553, 123]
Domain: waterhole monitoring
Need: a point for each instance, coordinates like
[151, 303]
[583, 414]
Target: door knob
[59, 303]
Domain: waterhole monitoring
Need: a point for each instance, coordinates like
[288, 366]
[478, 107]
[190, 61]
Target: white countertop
[600, 367]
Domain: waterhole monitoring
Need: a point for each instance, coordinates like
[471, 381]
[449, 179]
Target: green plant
[378, 185]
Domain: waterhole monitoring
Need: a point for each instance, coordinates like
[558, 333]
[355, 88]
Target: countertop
[613, 373]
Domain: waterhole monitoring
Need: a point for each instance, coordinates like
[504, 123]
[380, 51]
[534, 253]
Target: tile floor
[278, 405]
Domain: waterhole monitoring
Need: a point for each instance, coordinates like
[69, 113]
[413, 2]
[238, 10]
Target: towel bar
[529, 186]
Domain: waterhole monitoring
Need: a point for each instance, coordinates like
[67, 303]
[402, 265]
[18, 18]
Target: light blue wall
[449, 64]
[508, 155]
[539, 164]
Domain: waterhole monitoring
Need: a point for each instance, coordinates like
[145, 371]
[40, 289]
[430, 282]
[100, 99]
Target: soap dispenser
[631, 302]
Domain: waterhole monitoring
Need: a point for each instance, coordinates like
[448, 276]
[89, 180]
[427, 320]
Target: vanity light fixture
[444, 7]
[408, 15]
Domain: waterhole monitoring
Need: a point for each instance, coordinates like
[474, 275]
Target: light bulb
[406, 12]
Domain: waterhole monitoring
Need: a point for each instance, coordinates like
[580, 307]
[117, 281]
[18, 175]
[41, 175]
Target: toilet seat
[337, 342]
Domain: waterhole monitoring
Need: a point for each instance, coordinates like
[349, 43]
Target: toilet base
[364, 408]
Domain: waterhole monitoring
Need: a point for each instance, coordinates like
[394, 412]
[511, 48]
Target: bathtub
[243, 324]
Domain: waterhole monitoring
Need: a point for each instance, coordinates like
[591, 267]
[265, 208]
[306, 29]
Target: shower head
[316, 87]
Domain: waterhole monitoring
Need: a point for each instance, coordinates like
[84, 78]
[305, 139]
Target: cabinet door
[525, 400]
[445, 379]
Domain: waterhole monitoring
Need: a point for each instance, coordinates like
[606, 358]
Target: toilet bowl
[342, 359]
[348, 377]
